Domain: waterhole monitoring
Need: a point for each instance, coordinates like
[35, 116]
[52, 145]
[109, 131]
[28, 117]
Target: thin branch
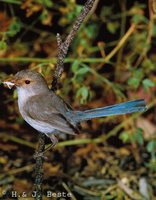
[152, 5]
[132, 194]
[39, 167]
[62, 52]
[92, 11]
[64, 46]
[151, 9]
[121, 42]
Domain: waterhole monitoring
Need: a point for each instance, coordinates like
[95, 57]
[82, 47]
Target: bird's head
[28, 81]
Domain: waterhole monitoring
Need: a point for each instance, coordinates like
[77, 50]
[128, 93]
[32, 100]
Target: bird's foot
[41, 154]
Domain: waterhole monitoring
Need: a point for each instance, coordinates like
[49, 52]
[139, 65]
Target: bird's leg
[54, 141]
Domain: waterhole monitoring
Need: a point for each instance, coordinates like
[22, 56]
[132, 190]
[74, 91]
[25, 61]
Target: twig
[132, 194]
[11, 172]
[39, 167]
[121, 42]
[149, 34]
[64, 46]
[92, 11]
[69, 191]
[62, 52]
[17, 140]
[152, 5]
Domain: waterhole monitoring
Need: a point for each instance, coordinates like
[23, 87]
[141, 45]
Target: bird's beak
[11, 83]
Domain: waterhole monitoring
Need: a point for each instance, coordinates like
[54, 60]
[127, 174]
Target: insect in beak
[10, 83]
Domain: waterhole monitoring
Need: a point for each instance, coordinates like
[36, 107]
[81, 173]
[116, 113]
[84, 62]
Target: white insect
[9, 84]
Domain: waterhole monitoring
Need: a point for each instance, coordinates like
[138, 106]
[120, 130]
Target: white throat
[23, 96]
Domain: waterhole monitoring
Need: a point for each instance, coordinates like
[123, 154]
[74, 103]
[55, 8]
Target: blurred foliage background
[111, 60]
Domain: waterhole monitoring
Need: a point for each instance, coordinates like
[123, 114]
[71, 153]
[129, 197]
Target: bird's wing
[52, 110]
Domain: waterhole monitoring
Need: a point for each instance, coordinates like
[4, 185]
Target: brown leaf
[149, 129]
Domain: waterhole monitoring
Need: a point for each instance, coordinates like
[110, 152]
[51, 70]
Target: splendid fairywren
[49, 114]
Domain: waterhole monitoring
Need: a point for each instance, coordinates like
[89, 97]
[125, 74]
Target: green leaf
[47, 3]
[74, 12]
[151, 146]
[152, 164]
[138, 18]
[136, 78]
[90, 31]
[75, 66]
[138, 136]
[147, 83]
[78, 9]
[82, 71]
[124, 136]
[139, 73]
[44, 15]
[112, 27]
[3, 45]
[83, 93]
[134, 82]
[148, 65]
[14, 28]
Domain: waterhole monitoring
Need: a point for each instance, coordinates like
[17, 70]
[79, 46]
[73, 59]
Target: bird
[49, 114]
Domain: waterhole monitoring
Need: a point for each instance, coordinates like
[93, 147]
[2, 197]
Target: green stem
[6, 136]
[52, 60]
[12, 1]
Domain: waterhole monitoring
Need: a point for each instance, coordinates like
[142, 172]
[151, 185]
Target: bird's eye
[27, 82]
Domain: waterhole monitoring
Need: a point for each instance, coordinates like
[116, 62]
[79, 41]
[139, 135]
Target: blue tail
[117, 109]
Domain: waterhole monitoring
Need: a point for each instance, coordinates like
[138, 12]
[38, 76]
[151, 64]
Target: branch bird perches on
[62, 52]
